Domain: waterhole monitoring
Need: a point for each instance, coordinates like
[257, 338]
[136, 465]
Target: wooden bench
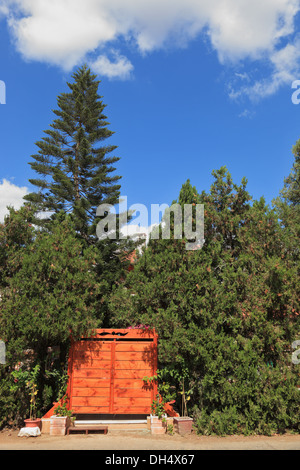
[87, 429]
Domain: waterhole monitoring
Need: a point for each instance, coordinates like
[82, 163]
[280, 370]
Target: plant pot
[33, 423]
[45, 426]
[158, 425]
[183, 425]
[59, 425]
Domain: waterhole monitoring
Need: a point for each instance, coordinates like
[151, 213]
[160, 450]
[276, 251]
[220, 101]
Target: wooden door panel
[132, 374]
[90, 409]
[94, 347]
[91, 392]
[131, 383]
[132, 393]
[134, 346]
[130, 401]
[86, 356]
[90, 401]
[93, 373]
[131, 365]
[132, 410]
[107, 376]
[91, 382]
[135, 356]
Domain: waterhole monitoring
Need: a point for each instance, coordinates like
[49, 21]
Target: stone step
[115, 425]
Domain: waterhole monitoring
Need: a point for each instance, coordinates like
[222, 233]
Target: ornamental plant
[31, 384]
[62, 409]
[157, 408]
[28, 379]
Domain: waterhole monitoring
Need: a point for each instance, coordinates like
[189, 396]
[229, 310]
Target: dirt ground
[126, 441]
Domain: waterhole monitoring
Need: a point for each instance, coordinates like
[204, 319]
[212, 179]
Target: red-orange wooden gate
[106, 372]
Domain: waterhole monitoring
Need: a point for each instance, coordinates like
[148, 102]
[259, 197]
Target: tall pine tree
[75, 167]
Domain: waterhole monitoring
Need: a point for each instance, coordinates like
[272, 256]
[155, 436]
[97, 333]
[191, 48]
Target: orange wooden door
[107, 376]
[90, 377]
[132, 361]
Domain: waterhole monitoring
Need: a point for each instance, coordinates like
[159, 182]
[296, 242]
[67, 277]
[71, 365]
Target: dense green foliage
[227, 314]
[50, 289]
[55, 274]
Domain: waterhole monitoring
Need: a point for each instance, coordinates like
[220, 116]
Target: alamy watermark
[176, 222]
[296, 94]
[2, 92]
[296, 354]
[2, 352]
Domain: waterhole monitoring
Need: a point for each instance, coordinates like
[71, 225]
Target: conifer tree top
[74, 166]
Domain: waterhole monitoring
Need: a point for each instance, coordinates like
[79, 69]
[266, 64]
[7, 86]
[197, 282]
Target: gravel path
[122, 441]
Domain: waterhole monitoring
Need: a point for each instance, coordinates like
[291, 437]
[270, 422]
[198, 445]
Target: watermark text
[2, 352]
[296, 354]
[2, 92]
[176, 222]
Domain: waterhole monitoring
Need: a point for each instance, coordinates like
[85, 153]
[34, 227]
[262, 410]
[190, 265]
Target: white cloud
[285, 68]
[4, 7]
[243, 76]
[3, 10]
[10, 195]
[250, 28]
[66, 32]
[247, 113]
[120, 67]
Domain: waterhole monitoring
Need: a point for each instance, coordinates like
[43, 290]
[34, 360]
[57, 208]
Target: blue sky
[189, 85]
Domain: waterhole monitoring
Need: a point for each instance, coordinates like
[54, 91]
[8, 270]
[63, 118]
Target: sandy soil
[126, 441]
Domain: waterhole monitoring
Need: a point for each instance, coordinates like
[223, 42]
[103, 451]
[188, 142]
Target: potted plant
[158, 417]
[61, 419]
[31, 385]
[172, 379]
[28, 379]
[184, 424]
